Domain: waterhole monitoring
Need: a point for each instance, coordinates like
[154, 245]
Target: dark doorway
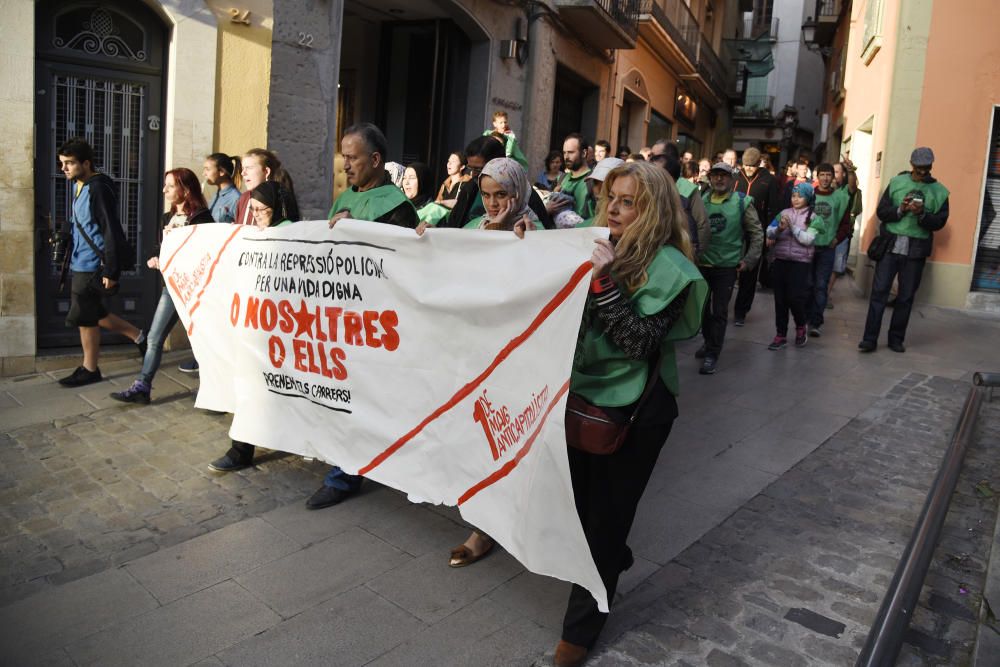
[422, 94]
[574, 107]
[99, 75]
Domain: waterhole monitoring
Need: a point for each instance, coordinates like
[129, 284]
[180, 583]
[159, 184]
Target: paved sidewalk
[119, 547]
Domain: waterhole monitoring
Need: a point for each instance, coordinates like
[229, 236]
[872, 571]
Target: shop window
[986, 270]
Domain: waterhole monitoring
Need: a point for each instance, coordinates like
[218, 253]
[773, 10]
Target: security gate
[99, 76]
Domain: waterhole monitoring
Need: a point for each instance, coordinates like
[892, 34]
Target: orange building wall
[961, 86]
[867, 90]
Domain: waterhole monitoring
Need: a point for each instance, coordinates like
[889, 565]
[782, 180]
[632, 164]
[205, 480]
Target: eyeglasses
[259, 210]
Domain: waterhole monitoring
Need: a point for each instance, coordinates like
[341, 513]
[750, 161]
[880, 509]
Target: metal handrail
[885, 639]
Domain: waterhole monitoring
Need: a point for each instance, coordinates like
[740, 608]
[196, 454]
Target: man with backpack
[732, 218]
[100, 253]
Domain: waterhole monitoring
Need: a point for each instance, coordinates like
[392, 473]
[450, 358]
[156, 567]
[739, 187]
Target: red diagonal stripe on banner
[166, 266]
[510, 465]
[211, 273]
[560, 296]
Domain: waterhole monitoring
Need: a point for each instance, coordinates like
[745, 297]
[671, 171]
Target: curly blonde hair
[661, 221]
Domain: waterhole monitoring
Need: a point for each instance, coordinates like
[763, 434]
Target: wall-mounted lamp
[517, 48]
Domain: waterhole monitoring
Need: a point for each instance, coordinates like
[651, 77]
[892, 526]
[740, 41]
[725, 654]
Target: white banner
[438, 365]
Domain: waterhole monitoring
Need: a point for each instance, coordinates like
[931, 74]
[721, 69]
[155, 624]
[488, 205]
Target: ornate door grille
[108, 114]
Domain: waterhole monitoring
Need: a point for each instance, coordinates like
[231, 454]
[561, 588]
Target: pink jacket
[796, 243]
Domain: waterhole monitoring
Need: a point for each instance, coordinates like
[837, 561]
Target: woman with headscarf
[395, 173]
[790, 237]
[506, 192]
[417, 187]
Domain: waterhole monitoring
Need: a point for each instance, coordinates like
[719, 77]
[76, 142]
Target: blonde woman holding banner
[645, 294]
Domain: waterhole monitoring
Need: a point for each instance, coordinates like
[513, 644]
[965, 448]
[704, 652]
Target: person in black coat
[752, 180]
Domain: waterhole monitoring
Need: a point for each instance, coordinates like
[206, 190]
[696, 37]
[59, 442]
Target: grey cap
[601, 169]
[721, 166]
[922, 157]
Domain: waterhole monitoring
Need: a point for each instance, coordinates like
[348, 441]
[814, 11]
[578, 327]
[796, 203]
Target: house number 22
[305, 40]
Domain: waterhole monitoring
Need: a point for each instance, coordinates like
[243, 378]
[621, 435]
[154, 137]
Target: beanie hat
[751, 157]
[805, 190]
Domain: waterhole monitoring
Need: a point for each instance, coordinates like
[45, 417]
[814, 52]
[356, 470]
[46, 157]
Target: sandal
[462, 555]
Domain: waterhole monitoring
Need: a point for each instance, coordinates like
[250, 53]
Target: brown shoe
[569, 655]
[463, 555]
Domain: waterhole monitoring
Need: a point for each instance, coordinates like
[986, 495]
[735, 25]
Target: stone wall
[17, 243]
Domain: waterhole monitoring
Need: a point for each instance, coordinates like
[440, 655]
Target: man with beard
[733, 218]
[574, 183]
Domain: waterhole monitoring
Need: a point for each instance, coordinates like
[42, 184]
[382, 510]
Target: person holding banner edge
[646, 293]
[372, 197]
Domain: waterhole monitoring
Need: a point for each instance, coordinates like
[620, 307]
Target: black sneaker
[815, 330]
[189, 366]
[226, 464]
[739, 321]
[708, 366]
[897, 347]
[327, 496]
[81, 376]
[140, 343]
[137, 393]
[867, 346]
[700, 354]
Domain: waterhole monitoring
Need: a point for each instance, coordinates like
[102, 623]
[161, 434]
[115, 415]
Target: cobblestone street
[767, 536]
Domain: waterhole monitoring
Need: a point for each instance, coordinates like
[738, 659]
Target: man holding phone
[912, 208]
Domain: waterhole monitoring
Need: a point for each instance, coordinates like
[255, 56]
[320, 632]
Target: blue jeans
[339, 479]
[909, 271]
[822, 270]
[163, 321]
[840, 256]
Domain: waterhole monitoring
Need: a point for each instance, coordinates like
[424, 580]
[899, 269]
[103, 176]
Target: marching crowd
[684, 233]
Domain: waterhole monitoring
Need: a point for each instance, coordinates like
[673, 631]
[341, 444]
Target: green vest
[686, 187]
[370, 204]
[576, 187]
[511, 149]
[602, 372]
[831, 208]
[432, 213]
[726, 220]
[589, 222]
[934, 195]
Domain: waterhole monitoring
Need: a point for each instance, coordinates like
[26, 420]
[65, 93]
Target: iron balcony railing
[683, 28]
[827, 9]
[756, 106]
[710, 67]
[755, 27]
[678, 21]
[625, 13]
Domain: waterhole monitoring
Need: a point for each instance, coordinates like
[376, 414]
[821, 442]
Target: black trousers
[716, 316]
[792, 283]
[910, 272]
[607, 491]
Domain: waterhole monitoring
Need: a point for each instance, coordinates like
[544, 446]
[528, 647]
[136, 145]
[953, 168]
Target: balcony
[757, 27]
[606, 24]
[756, 107]
[674, 33]
[827, 17]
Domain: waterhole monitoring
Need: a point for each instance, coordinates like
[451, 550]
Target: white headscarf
[514, 179]
[396, 172]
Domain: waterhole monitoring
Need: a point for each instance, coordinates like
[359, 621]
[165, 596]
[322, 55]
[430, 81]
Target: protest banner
[435, 364]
